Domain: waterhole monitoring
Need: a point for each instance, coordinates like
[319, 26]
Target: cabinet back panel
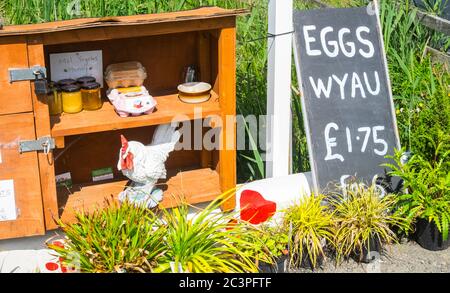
[84, 153]
[163, 56]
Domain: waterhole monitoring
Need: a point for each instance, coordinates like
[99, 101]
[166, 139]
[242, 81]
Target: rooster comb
[123, 140]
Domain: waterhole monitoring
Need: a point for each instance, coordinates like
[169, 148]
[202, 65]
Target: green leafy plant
[310, 225]
[428, 186]
[362, 215]
[209, 241]
[253, 158]
[116, 239]
[270, 242]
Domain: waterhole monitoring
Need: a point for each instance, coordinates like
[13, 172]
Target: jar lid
[64, 82]
[53, 86]
[71, 88]
[90, 86]
[86, 79]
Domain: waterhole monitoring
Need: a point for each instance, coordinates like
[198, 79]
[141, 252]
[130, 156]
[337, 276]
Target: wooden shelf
[106, 118]
[193, 186]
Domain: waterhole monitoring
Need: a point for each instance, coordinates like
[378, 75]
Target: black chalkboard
[346, 97]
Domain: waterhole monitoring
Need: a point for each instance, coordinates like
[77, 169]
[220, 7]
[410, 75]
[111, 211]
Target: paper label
[64, 180]
[102, 174]
[8, 211]
[77, 64]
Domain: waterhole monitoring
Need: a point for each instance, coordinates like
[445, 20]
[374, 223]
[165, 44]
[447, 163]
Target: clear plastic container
[126, 74]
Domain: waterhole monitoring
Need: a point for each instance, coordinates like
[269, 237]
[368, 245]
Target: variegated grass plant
[360, 215]
[310, 224]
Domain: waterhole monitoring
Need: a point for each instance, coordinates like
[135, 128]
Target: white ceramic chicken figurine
[145, 165]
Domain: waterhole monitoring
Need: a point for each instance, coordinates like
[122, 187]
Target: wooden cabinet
[24, 170]
[165, 44]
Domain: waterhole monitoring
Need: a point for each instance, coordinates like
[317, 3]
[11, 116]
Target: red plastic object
[254, 208]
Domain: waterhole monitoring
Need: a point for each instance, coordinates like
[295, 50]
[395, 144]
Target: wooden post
[279, 120]
[227, 96]
[42, 123]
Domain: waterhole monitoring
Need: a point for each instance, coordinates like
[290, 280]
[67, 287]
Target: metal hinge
[45, 144]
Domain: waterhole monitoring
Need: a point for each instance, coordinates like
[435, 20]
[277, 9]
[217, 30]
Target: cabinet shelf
[106, 118]
[194, 186]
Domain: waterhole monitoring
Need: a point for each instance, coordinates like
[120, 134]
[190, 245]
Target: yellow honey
[91, 96]
[71, 99]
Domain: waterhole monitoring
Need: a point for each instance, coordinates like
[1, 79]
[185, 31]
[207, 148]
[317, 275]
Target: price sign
[7, 201]
[347, 101]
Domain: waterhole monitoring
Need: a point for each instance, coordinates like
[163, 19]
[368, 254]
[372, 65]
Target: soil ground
[407, 257]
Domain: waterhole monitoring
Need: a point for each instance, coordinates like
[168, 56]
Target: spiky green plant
[116, 239]
[362, 215]
[310, 225]
[209, 241]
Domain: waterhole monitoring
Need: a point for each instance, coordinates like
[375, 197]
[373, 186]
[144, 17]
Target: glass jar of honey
[64, 82]
[71, 98]
[54, 100]
[85, 79]
[90, 93]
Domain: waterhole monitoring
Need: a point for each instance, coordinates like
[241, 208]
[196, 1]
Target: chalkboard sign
[346, 96]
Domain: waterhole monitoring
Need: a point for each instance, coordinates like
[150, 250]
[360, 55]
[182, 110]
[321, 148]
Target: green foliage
[420, 88]
[362, 214]
[270, 242]
[310, 223]
[253, 156]
[36, 11]
[428, 185]
[208, 242]
[118, 238]
[134, 239]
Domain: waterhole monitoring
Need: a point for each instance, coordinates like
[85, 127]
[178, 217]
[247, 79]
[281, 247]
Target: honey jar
[64, 82]
[90, 93]
[54, 100]
[85, 79]
[71, 98]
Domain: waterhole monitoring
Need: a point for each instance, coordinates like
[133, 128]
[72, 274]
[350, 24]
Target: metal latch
[45, 144]
[21, 74]
[38, 74]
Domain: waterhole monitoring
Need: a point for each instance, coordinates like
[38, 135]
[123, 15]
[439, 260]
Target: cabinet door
[15, 97]
[23, 170]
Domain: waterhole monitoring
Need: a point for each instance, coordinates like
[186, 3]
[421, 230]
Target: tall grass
[420, 88]
[35, 11]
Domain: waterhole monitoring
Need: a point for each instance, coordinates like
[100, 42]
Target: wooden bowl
[194, 92]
